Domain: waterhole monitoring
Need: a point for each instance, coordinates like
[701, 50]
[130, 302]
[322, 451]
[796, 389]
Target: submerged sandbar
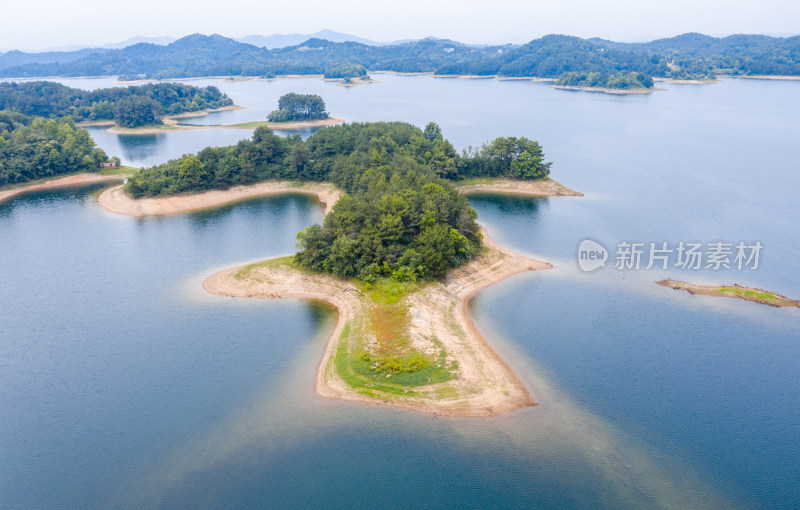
[732, 291]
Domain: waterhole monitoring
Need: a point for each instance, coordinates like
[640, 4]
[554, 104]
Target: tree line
[293, 106]
[686, 56]
[36, 147]
[621, 81]
[340, 154]
[127, 106]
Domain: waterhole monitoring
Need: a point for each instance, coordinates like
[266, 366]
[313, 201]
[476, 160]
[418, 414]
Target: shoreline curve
[61, 182]
[115, 199]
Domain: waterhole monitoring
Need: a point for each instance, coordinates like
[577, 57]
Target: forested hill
[127, 106]
[35, 147]
[684, 56]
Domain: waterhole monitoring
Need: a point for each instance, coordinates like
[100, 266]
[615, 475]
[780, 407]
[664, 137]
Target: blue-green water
[123, 384]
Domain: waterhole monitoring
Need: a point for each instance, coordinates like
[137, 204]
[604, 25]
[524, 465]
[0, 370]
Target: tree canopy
[128, 106]
[339, 154]
[622, 81]
[293, 106]
[35, 147]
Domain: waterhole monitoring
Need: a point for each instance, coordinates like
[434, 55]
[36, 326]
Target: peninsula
[453, 370]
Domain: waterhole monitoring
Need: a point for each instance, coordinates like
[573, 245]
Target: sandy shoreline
[733, 291]
[485, 385]
[173, 126]
[117, 201]
[62, 182]
[539, 188]
[762, 77]
[605, 90]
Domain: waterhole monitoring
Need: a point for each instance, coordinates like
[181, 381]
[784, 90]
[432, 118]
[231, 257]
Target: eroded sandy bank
[540, 188]
[117, 201]
[63, 182]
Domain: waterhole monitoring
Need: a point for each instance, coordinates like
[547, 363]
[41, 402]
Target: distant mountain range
[283, 40]
[685, 56]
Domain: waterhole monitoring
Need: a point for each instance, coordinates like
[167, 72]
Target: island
[733, 291]
[616, 83]
[399, 253]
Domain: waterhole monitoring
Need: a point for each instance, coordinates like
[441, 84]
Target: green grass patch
[387, 291]
[400, 371]
[750, 293]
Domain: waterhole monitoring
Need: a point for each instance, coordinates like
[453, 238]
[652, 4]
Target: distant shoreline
[397, 73]
[606, 90]
[171, 125]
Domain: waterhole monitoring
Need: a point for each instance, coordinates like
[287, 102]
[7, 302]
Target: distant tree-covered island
[345, 71]
[600, 81]
[36, 147]
[128, 107]
[298, 107]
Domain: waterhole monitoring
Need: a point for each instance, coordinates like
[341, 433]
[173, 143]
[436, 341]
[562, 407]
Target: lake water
[124, 385]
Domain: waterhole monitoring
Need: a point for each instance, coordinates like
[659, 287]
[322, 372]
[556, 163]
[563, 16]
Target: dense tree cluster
[339, 154]
[685, 56]
[293, 106]
[397, 221]
[400, 216]
[345, 71]
[128, 106]
[622, 81]
[35, 147]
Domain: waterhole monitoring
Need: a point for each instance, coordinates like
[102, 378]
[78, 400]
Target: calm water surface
[123, 384]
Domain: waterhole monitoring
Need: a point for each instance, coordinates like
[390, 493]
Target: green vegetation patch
[751, 293]
[409, 370]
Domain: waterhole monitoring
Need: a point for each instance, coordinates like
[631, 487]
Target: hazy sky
[40, 24]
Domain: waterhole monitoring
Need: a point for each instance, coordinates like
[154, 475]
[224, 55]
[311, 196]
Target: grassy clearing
[393, 357]
[120, 170]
